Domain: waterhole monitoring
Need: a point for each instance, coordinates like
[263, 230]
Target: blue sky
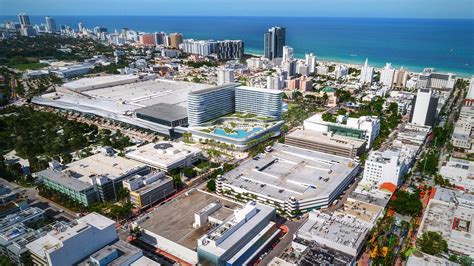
[291, 8]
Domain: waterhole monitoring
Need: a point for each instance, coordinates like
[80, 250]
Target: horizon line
[240, 16]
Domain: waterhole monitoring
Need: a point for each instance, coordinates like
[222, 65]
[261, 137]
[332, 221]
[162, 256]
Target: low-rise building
[326, 142]
[74, 242]
[10, 202]
[413, 134]
[336, 231]
[149, 189]
[418, 258]
[289, 178]
[13, 241]
[367, 212]
[117, 253]
[72, 71]
[194, 214]
[387, 167]
[462, 136]
[459, 172]
[98, 177]
[237, 240]
[168, 115]
[462, 141]
[166, 155]
[26, 216]
[451, 214]
[363, 128]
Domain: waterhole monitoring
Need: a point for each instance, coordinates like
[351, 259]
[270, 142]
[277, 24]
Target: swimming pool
[238, 134]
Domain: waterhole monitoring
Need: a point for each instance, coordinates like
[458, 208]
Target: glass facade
[211, 103]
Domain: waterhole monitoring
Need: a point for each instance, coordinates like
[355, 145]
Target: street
[52, 209]
[284, 242]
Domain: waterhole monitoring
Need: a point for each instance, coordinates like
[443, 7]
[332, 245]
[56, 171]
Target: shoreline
[350, 64]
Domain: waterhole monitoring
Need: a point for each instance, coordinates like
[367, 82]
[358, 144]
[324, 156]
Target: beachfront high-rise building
[310, 60]
[51, 25]
[225, 76]
[401, 78]
[99, 30]
[24, 19]
[81, 26]
[274, 40]
[341, 71]
[199, 47]
[429, 78]
[148, 39]
[25, 24]
[423, 110]
[470, 93]
[289, 67]
[230, 49]
[302, 68]
[287, 53]
[275, 82]
[367, 73]
[176, 39]
[387, 75]
[161, 38]
[211, 103]
[262, 102]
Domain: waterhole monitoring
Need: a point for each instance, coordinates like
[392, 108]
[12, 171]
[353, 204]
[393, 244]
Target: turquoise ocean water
[447, 45]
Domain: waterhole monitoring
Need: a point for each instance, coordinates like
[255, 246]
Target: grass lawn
[409, 251]
[30, 66]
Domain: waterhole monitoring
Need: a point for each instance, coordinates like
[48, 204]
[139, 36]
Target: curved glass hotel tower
[258, 101]
[208, 104]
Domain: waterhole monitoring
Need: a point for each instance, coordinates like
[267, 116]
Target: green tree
[211, 185]
[432, 243]
[328, 117]
[406, 203]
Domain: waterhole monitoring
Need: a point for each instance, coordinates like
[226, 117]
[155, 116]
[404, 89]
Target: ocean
[447, 45]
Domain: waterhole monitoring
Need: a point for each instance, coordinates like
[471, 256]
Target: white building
[430, 79]
[264, 102]
[336, 231]
[322, 70]
[364, 127]
[341, 71]
[470, 94]
[387, 75]
[451, 214]
[165, 155]
[289, 178]
[237, 240]
[367, 73]
[388, 166]
[69, 245]
[401, 78]
[302, 68]
[423, 110]
[310, 61]
[199, 47]
[419, 258]
[255, 63]
[459, 172]
[461, 138]
[225, 76]
[289, 67]
[287, 53]
[275, 82]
